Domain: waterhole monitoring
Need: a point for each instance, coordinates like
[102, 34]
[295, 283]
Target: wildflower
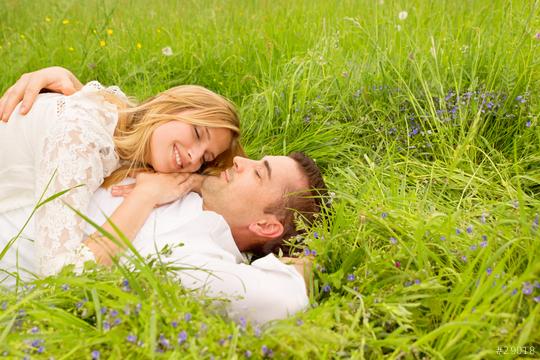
[34, 330]
[537, 36]
[443, 238]
[131, 338]
[187, 317]
[257, 331]
[316, 235]
[113, 312]
[95, 354]
[163, 341]
[514, 292]
[174, 324]
[326, 288]
[182, 337]
[384, 215]
[397, 264]
[103, 310]
[307, 251]
[489, 271]
[537, 299]
[527, 288]
[65, 287]
[407, 283]
[463, 258]
[37, 343]
[247, 354]
[167, 51]
[40, 350]
[106, 326]
[536, 284]
[266, 352]
[138, 308]
[393, 241]
[458, 231]
[469, 229]
[483, 218]
[314, 252]
[535, 222]
[417, 281]
[109, 32]
[65, 21]
[473, 247]
[403, 15]
[528, 123]
[71, 48]
[243, 323]
[484, 242]
[139, 45]
[351, 277]
[117, 322]
[47, 19]
[102, 43]
[521, 99]
[299, 322]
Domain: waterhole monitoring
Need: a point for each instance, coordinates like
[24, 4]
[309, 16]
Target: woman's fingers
[12, 97]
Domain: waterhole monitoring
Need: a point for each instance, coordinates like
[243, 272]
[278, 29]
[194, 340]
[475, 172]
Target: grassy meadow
[423, 115]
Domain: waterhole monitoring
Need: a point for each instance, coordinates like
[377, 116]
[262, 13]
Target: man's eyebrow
[268, 169]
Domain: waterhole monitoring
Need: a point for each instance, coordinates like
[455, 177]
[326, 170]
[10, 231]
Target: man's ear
[269, 227]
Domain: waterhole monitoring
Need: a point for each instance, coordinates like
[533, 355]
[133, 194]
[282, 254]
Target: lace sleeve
[78, 150]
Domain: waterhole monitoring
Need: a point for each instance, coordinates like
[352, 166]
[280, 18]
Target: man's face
[241, 193]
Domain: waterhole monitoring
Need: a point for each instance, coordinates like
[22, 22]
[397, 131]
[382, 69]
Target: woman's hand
[27, 88]
[158, 188]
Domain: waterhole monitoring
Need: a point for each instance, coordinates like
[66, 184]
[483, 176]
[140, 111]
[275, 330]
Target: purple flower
[484, 242]
[131, 338]
[393, 241]
[417, 281]
[443, 238]
[536, 284]
[528, 123]
[326, 288]
[307, 252]
[463, 258]
[537, 299]
[483, 218]
[103, 310]
[65, 287]
[106, 325]
[514, 292]
[351, 277]
[469, 229]
[384, 215]
[527, 288]
[138, 308]
[187, 317]
[257, 331]
[407, 283]
[489, 271]
[243, 323]
[520, 99]
[266, 352]
[40, 350]
[174, 324]
[473, 247]
[37, 342]
[113, 312]
[397, 264]
[299, 322]
[117, 322]
[537, 35]
[182, 337]
[314, 252]
[535, 221]
[163, 341]
[247, 354]
[458, 231]
[316, 235]
[34, 330]
[95, 354]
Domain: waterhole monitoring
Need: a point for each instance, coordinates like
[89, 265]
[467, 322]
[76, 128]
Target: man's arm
[27, 88]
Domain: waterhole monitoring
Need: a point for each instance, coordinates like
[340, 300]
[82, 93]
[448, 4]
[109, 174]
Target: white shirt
[265, 290]
[208, 260]
[63, 142]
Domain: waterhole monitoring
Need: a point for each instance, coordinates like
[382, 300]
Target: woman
[96, 137]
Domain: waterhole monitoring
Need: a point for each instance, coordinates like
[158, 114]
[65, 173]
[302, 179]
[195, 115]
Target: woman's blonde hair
[191, 104]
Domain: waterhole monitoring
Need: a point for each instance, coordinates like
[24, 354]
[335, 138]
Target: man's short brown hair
[304, 202]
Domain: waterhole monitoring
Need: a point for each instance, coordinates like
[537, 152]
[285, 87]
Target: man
[256, 202]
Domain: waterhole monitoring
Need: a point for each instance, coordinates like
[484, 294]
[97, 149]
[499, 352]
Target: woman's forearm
[129, 217]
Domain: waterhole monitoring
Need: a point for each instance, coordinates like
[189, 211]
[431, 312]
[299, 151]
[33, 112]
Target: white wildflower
[167, 51]
[403, 15]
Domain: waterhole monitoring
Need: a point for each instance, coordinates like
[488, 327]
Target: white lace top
[64, 142]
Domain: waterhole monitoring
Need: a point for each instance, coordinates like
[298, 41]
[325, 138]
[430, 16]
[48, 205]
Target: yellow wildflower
[158, 30]
[47, 19]
[139, 45]
[65, 21]
[109, 32]
[23, 37]
[102, 43]
[71, 48]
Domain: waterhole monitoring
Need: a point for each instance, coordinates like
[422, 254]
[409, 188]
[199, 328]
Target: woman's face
[176, 146]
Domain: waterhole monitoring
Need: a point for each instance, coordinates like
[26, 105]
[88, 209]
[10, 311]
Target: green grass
[368, 96]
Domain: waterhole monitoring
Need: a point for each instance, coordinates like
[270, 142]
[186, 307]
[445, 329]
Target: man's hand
[27, 88]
